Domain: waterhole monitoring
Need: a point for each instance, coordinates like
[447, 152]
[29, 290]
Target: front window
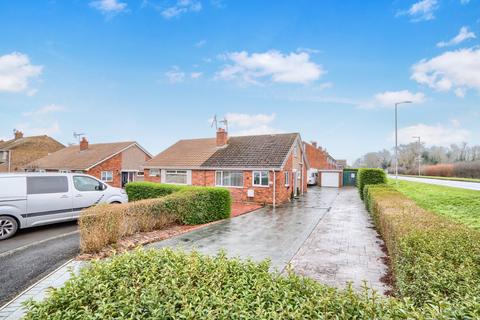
[260, 178]
[287, 178]
[176, 176]
[229, 178]
[82, 183]
[107, 176]
[154, 172]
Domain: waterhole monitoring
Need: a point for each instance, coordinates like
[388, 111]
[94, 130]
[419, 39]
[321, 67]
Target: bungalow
[114, 163]
[267, 169]
[16, 153]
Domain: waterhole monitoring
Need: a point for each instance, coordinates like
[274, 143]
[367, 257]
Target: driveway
[32, 254]
[293, 230]
[447, 183]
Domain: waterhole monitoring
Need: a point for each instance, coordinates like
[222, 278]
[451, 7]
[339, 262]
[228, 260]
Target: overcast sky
[156, 71]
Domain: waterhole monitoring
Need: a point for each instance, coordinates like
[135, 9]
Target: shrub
[439, 170]
[147, 190]
[370, 176]
[434, 259]
[164, 284]
[106, 224]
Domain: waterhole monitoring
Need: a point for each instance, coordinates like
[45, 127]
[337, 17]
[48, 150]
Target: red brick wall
[317, 157]
[113, 164]
[147, 177]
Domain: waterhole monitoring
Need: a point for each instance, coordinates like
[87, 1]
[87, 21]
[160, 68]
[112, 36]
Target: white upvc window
[176, 176]
[140, 173]
[287, 178]
[106, 176]
[153, 172]
[260, 178]
[229, 178]
[64, 171]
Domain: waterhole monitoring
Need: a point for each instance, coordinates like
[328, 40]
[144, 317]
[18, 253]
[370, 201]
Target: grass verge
[461, 205]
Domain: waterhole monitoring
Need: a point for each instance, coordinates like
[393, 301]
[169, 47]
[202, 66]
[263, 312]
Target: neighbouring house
[115, 163]
[341, 164]
[324, 168]
[16, 153]
[266, 169]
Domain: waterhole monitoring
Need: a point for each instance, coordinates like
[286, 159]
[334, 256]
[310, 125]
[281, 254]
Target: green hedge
[366, 176]
[434, 259]
[147, 190]
[199, 205]
[164, 284]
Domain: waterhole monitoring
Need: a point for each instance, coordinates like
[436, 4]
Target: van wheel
[8, 227]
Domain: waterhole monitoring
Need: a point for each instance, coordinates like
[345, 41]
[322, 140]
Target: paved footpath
[344, 247]
[326, 235]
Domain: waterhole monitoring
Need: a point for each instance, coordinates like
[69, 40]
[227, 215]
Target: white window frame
[176, 172]
[286, 176]
[64, 171]
[104, 176]
[140, 173]
[261, 176]
[221, 179]
[154, 175]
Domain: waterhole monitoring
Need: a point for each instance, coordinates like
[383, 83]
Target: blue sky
[156, 71]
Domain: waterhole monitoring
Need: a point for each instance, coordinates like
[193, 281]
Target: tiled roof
[184, 154]
[260, 151]
[74, 159]
[10, 144]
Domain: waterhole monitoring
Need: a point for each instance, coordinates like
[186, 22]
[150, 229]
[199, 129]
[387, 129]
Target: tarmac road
[32, 254]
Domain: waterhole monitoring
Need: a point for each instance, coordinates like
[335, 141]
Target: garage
[330, 178]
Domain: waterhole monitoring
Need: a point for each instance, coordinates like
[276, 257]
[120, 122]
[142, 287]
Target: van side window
[82, 183]
[41, 185]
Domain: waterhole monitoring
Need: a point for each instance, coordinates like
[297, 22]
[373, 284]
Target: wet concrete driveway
[280, 234]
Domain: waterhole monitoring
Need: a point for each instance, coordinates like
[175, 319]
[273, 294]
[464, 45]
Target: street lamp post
[419, 153]
[396, 138]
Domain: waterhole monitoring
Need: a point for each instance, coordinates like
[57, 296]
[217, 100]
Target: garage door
[330, 179]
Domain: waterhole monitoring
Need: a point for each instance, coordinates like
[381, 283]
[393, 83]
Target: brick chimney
[18, 134]
[222, 137]
[83, 144]
[314, 144]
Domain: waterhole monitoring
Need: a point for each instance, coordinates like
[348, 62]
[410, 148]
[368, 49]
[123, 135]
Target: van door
[87, 192]
[49, 200]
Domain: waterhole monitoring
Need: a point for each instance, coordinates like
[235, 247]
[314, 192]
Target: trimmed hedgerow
[147, 190]
[164, 284]
[106, 224]
[366, 176]
[435, 260]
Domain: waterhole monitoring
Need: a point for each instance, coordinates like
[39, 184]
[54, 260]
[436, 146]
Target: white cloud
[464, 1]
[200, 43]
[438, 134]
[175, 75]
[463, 34]
[16, 71]
[421, 10]
[181, 7]
[250, 124]
[109, 6]
[195, 75]
[30, 130]
[278, 67]
[389, 98]
[458, 70]
[51, 108]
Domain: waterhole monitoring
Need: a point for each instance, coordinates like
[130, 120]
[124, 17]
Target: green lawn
[445, 178]
[459, 204]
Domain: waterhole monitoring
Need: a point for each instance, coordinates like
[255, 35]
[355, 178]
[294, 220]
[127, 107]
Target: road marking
[33, 285]
[7, 253]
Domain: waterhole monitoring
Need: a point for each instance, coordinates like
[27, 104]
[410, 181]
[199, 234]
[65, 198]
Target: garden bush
[434, 259]
[366, 176]
[164, 284]
[147, 190]
[106, 224]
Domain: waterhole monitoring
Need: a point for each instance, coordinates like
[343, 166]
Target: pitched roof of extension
[11, 144]
[72, 158]
[259, 151]
[184, 154]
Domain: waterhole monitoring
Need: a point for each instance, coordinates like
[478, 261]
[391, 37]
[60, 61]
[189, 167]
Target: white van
[34, 199]
[312, 177]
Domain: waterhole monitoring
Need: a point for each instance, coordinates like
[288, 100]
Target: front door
[295, 183]
[127, 176]
[49, 199]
